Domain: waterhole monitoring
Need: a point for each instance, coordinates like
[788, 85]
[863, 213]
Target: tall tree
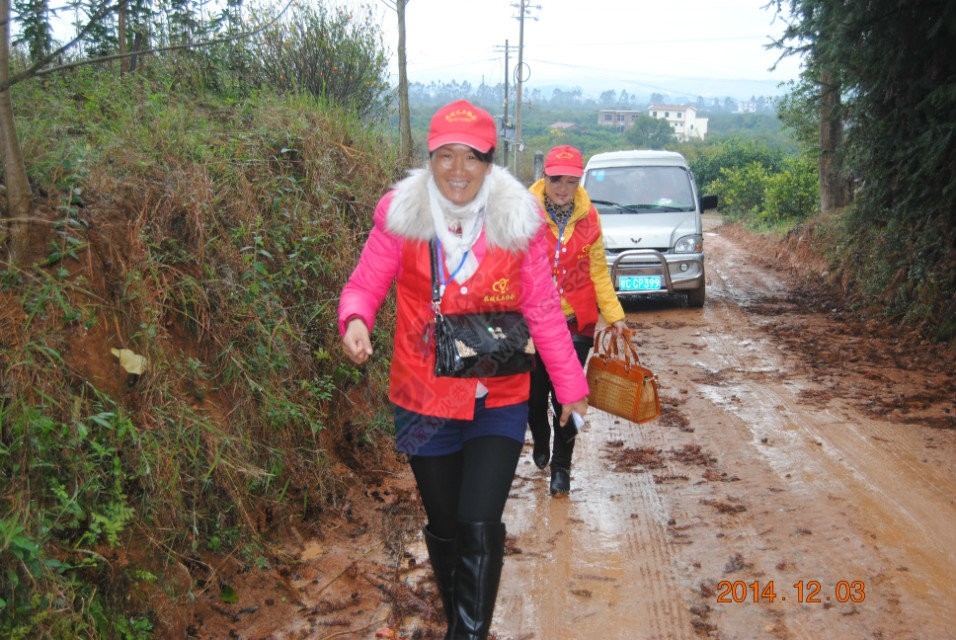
[819, 26]
[892, 61]
[404, 116]
[893, 66]
[121, 36]
[35, 30]
[19, 196]
[15, 225]
[834, 185]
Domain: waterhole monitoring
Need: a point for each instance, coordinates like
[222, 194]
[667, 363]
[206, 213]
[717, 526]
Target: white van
[650, 214]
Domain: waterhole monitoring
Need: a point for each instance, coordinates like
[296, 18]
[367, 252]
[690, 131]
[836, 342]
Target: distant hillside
[678, 90]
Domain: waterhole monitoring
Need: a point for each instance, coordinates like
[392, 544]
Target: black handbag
[478, 345]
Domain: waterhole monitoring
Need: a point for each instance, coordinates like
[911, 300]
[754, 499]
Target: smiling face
[560, 189]
[459, 172]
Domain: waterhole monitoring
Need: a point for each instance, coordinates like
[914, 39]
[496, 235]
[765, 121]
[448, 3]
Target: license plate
[639, 283]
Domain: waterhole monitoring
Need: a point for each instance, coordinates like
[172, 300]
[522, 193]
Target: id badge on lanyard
[555, 269]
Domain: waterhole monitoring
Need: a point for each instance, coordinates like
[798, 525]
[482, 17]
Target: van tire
[695, 297]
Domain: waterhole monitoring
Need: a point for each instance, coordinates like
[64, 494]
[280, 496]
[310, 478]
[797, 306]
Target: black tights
[471, 485]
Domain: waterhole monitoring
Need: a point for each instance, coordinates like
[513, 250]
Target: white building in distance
[682, 119]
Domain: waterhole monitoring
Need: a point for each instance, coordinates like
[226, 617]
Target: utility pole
[506, 117]
[505, 123]
[519, 79]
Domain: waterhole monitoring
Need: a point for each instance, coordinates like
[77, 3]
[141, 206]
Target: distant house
[749, 106]
[682, 119]
[620, 119]
[563, 126]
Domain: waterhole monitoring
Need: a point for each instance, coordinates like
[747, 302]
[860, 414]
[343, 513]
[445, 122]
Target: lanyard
[441, 267]
[557, 247]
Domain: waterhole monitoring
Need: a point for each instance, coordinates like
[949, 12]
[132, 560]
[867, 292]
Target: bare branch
[37, 70]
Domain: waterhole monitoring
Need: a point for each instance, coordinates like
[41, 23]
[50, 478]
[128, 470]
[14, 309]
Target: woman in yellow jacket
[579, 269]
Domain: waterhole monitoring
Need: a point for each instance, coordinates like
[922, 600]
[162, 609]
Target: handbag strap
[626, 339]
[601, 344]
[436, 285]
[617, 348]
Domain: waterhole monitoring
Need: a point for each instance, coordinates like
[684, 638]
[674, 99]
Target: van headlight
[689, 244]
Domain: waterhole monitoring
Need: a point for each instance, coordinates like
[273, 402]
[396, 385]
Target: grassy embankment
[211, 237]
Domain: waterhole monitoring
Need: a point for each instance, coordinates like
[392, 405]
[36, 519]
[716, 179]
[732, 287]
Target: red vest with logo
[573, 270]
[412, 384]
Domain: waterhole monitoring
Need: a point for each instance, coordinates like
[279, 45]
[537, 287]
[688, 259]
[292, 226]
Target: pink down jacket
[393, 253]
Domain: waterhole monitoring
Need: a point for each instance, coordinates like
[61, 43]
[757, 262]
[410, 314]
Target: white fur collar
[512, 218]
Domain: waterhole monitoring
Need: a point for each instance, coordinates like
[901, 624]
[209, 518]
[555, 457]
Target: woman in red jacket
[463, 436]
[579, 269]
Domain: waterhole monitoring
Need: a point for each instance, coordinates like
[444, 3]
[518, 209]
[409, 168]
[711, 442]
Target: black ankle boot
[481, 550]
[541, 454]
[560, 481]
[443, 554]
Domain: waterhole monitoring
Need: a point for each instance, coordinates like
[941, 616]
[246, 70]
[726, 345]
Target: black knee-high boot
[481, 551]
[443, 553]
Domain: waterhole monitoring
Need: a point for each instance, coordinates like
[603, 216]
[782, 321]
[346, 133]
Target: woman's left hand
[580, 407]
[618, 328]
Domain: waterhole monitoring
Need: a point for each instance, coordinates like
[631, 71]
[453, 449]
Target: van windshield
[641, 188]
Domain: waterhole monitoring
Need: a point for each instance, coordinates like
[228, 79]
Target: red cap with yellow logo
[564, 160]
[461, 122]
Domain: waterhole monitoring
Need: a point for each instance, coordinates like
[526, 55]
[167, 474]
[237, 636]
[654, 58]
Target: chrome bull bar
[644, 253]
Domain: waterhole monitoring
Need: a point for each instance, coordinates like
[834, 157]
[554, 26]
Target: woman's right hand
[580, 407]
[356, 342]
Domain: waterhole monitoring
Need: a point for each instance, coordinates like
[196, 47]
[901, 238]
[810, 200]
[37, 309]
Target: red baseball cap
[564, 160]
[461, 122]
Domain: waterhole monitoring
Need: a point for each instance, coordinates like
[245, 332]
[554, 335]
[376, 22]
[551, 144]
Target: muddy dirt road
[793, 489]
[799, 485]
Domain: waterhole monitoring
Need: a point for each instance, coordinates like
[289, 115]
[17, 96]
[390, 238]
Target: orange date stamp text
[801, 591]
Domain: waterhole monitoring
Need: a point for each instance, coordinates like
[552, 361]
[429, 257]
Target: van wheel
[695, 298]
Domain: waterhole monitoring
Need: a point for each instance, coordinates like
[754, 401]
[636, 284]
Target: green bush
[793, 193]
[328, 53]
[741, 191]
[708, 162]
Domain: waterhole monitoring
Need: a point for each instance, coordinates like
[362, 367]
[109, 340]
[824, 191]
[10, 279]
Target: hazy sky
[694, 47]
[637, 45]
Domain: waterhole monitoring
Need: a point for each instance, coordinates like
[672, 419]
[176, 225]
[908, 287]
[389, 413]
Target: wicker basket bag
[619, 384]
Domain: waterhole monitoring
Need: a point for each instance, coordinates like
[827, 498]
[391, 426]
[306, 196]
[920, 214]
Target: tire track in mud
[598, 563]
[830, 498]
[747, 428]
[759, 471]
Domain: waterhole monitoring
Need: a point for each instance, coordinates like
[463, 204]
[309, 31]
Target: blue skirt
[420, 435]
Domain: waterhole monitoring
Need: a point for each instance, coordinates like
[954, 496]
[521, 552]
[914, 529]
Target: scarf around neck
[469, 218]
[559, 214]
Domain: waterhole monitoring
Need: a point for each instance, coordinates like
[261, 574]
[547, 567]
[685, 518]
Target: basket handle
[602, 344]
[617, 348]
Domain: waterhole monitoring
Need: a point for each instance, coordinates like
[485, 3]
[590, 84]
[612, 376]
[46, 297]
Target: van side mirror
[708, 202]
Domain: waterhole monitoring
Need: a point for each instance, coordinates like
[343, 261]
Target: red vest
[573, 272]
[412, 384]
